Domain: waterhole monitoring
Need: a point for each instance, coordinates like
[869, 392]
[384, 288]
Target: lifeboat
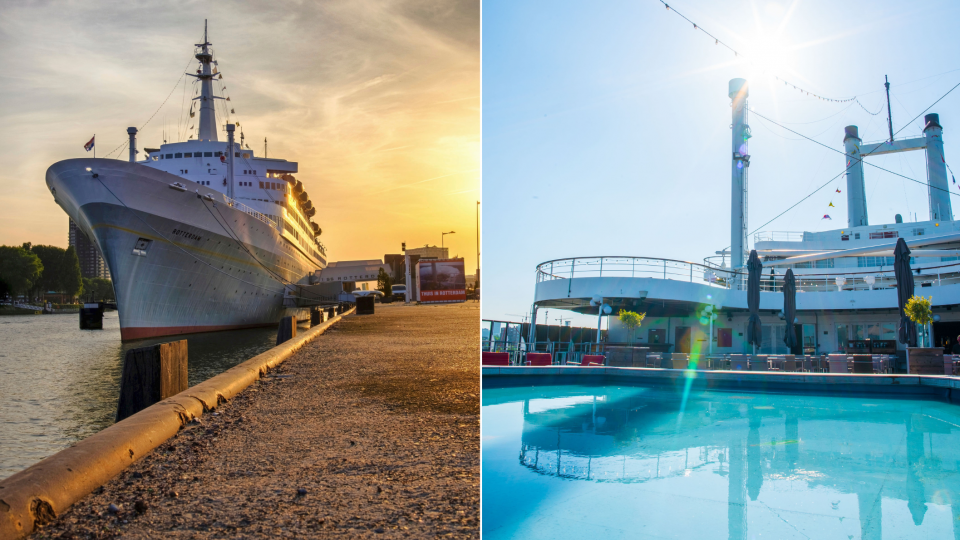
[316, 229]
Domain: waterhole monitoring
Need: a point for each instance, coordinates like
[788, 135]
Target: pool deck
[371, 430]
[936, 386]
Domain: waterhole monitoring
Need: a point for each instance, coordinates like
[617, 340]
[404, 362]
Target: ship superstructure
[847, 297]
[199, 235]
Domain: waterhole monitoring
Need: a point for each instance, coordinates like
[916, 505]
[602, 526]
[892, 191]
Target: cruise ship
[846, 289]
[199, 236]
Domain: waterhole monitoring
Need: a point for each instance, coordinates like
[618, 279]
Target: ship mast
[208, 115]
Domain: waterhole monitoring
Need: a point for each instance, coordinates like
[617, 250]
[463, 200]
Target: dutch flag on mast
[89, 146]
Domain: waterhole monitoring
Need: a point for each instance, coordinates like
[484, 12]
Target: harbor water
[60, 384]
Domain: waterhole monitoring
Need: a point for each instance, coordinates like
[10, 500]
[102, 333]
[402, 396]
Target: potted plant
[922, 360]
[625, 356]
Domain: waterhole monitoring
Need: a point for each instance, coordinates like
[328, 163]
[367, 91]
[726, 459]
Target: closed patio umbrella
[754, 268]
[901, 268]
[790, 308]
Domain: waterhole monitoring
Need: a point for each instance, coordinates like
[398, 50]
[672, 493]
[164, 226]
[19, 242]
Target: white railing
[715, 276]
[778, 236]
[250, 211]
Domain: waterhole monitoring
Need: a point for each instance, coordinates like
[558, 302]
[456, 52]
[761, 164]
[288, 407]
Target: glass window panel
[873, 331]
[208, 154]
[841, 337]
[888, 331]
[809, 335]
[859, 331]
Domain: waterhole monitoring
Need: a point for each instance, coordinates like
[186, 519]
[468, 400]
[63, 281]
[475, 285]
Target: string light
[716, 41]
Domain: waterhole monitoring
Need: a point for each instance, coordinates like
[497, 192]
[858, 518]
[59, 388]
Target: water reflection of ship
[637, 439]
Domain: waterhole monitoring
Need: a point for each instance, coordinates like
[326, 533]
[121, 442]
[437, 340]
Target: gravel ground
[373, 430]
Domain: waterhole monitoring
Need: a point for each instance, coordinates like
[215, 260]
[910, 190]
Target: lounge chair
[837, 363]
[494, 358]
[539, 359]
[590, 360]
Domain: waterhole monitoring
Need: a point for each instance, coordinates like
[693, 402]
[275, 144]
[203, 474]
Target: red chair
[539, 359]
[592, 360]
[495, 359]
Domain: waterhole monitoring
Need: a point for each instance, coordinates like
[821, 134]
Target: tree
[631, 320]
[384, 283]
[19, 269]
[98, 289]
[71, 281]
[52, 259]
[919, 311]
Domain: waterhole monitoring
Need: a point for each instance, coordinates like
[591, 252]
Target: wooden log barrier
[287, 330]
[150, 375]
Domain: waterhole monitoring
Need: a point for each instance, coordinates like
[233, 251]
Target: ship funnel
[738, 92]
[856, 193]
[132, 131]
[939, 189]
[898, 218]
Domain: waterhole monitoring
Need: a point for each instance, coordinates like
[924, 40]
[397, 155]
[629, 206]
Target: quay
[371, 428]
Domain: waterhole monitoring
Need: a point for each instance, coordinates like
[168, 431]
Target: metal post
[407, 280]
[710, 338]
[230, 152]
[886, 84]
[599, 319]
[132, 131]
[664, 269]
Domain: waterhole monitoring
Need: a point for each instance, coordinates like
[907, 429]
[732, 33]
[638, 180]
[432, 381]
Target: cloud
[368, 96]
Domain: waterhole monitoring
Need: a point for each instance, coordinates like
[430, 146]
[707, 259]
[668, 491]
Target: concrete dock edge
[39, 494]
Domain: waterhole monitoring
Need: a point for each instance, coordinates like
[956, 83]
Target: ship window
[246, 155]
[208, 154]
[844, 237]
[236, 154]
[217, 154]
[188, 154]
[169, 156]
[883, 234]
[918, 232]
[178, 155]
[856, 236]
[261, 185]
[867, 262]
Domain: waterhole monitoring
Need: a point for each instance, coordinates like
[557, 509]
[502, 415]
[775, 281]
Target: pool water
[625, 462]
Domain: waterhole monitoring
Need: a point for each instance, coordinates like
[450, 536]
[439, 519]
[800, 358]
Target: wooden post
[365, 305]
[287, 330]
[152, 374]
[315, 317]
[91, 318]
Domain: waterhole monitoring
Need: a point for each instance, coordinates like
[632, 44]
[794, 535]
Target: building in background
[430, 252]
[352, 273]
[92, 264]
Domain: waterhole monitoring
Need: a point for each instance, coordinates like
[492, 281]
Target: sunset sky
[378, 101]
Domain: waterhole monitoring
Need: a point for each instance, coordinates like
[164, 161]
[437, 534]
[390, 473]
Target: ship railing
[250, 211]
[778, 236]
[725, 278]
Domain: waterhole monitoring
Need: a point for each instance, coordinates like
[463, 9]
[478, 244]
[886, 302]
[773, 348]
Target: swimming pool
[606, 461]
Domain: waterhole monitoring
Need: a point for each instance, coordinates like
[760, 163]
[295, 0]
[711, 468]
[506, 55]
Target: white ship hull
[180, 263]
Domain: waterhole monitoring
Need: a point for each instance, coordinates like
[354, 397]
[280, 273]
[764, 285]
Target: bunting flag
[826, 216]
[838, 190]
[89, 146]
[233, 112]
[831, 204]
[736, 54]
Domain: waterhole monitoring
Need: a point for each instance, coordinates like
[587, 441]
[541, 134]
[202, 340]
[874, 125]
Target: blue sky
[606, 124]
